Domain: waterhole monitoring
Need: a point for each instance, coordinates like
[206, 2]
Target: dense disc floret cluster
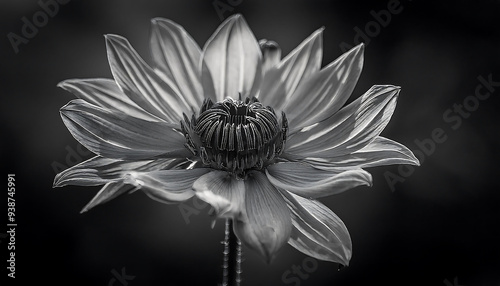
[235, 135]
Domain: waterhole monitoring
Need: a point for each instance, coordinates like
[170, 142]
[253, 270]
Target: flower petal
[113, 135]
[114, 173]
[105, 93]
[309, 182]
[266, 225]
[224, 193]
[177, 57]
[259, 213]
[90, 173]
[110, 191]
[273, 90]
[379, 152]
[295, 68]
[317, 231]
[324, 93]
[141, 84]
[167, 186]
[99, 170]
[234, 60]
[349, 130]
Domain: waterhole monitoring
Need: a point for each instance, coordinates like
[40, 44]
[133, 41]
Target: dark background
[440, 226]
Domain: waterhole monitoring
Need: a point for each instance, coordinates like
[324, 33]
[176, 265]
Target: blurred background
[437, 224]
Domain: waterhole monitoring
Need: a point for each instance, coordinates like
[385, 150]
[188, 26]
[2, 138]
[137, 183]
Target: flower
[258, 137]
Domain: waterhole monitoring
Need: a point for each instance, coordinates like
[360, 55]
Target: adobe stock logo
[39, 19]
[122, 278]
[455, 282]
[221, 7]
[300, 272]
[454, 116]
[73, 157]
[372, 29]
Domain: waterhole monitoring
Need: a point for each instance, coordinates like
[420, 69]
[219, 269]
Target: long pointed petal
[294, 69]
[116, 174]
[167, 186]
[99, 170]
[234, 60]
[177, 56]
[310, 182]
[113, 135]
[324, 93]
[141, 84]
[380, 152]
[317, 231]
[89, 173]
[350, 129]
[105, 93]
[267, 225]
[110, 191]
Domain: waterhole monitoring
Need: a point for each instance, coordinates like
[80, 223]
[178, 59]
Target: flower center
[235, 135]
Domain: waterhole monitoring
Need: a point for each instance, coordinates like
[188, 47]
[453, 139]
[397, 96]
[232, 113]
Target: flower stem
[231, 267]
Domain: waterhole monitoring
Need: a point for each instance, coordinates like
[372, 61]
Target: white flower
[258, 137]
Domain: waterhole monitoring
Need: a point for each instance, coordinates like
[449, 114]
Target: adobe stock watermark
[39, 19]
[122, 278]
[300, 272]
[222, 7]
[455, 282]
[188, 210]
[73, 157]
[372, 29]
[453, 116]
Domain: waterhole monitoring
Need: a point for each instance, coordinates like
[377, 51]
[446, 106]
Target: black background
[438, 227]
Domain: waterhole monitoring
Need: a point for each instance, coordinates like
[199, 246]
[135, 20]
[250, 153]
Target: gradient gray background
[442, 222]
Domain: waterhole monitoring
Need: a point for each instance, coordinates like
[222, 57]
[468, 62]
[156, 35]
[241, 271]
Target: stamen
[235, 135]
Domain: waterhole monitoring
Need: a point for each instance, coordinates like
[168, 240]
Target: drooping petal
[267, 225]
[90, 173]
[310, 182]
[116, 173]
[99, 170]
[379, 152]
[166, 186]
[177, 57]
[224, 193]
[317, 231]
[105, 93]
[118, 136]
[324, 93]
[261, 218]
[142, 84]
[349, 130]
[110, 191]
[295, 68]
[234, 60]
[271, 54]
